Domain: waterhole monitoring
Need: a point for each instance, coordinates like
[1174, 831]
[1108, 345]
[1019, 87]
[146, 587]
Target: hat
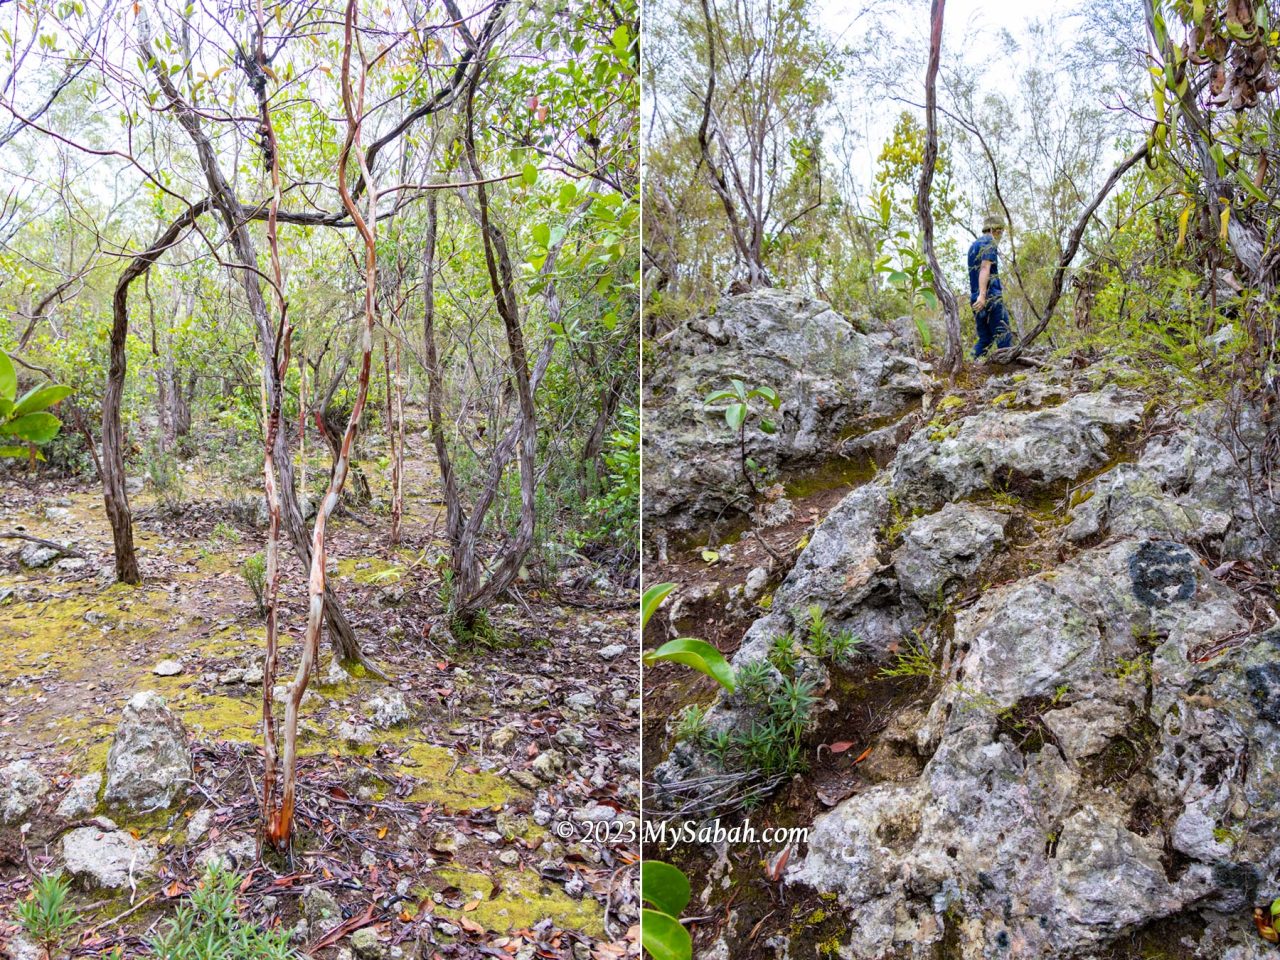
[992, 221]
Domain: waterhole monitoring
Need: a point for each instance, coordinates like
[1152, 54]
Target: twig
[65, 551]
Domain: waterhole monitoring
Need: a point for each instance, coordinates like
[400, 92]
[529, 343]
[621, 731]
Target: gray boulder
[997, 448]
[36, 555]
[106, 858]
[387, 709]
[149, 761]
[831, 378]
[21, 787]
[943, 549]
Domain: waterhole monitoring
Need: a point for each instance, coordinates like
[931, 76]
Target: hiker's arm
[984, 277]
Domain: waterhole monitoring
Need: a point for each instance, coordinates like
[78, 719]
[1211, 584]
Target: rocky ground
[1057, 735]
[130, 750]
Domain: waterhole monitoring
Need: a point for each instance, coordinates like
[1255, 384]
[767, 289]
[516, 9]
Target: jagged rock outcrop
[150, 760]
[831, 379]
[1098, 752]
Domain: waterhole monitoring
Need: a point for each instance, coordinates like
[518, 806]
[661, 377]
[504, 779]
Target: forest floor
[438, 832]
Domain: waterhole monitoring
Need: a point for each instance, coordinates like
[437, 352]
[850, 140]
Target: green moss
[1004, 399]
[518, 900]
[443, 781]
[370, 570]
[950, 402]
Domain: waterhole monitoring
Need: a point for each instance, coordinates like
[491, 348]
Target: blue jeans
[992, 322]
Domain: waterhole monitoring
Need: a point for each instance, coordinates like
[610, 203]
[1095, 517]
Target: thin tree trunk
[282, 826]
[954, 357]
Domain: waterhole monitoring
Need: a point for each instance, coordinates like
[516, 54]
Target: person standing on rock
[985, 294]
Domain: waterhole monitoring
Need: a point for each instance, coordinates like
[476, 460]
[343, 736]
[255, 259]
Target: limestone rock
[21, 787]
[150, 759]
[830, 377]
[996, 448]
[944, 549]
[106, 858]
[387, 709]
[35, 555]
[81, 798]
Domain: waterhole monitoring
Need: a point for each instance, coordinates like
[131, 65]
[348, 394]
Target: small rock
[501, 738]
[449, 841]
[34, 555]
[526, 778]
[548, 764]
[321, 909]
[509, 857]
[21, 788]
[81, 797]
[755, 583]
[106, 858]
[167, 668]
[252, 675]
[199, 824]
[570, 737]
[613, 651]
[585, 700]
[229, 854]
[366, 944]
[387, 709]
[70, 565]
[18, 947]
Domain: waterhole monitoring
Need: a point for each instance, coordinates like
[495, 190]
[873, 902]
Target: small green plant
[223, 534]
[666, 889]
[740, 410]
[899, 521]
[692, 723]
[838, 646]
[45, 915]
[913, 659]
[209, 927]
[755, 681]
[782, 652]
[27, 419]
[166, 476]
[254, 571]
[1139, 666]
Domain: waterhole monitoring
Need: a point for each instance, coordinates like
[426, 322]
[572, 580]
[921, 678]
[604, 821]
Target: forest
[319, 488]
[987, 632]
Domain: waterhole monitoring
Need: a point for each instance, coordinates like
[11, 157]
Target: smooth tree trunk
[281, 827]
[954, 357]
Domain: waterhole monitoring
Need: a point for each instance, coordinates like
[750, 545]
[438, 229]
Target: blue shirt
[984, 248]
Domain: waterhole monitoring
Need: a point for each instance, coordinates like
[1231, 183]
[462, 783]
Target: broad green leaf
[664, 887]
[34, 427]
[651, 600]
[710, 556]
[663, 938]
[769, 395]
[542, 234]
[699, 655]
[19, 452]
[735, 415]
[720, 395]
[8, 378]
[37, 398]
[768, 426]
[529, 174]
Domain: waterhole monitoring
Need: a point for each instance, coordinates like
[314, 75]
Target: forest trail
[439, 806]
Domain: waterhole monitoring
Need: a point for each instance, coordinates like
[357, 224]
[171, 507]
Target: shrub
[44, 915]
[254, 571]
[209, 927]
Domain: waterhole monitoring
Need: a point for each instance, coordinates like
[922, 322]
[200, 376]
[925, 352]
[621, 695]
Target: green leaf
[769, 395]
[8, 378]
[651, 600]
[699, 655]
[37, 398]
[19, 452]
[720, 395]
[542, 234]
[529, 174]
[664, 887]
[1275, 908]
[34, 427]
[663, 938]
[710, 556]
[735, 415]
[768, 426]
